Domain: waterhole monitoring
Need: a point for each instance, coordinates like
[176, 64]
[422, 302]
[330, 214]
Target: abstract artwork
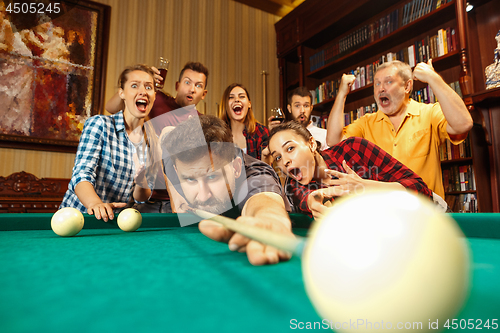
[52, 65]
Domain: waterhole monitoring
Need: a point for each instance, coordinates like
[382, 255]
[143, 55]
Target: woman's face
[294, 155]
[138, 93]
[238, 104]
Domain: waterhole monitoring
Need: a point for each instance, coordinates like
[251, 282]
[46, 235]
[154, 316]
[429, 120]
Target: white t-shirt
[319, 134]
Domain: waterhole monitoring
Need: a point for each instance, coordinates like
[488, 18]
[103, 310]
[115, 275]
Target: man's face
[301, 109]
[191, 88]
[207, 186]
[390, 90]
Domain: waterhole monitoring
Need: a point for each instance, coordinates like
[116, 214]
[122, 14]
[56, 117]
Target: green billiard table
[164, 278]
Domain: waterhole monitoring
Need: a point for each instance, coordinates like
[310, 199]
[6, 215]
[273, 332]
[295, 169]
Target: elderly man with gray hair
[408, 130]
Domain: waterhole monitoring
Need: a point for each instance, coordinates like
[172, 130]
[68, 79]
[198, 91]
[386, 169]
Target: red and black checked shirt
[368, 160]
[256, 141]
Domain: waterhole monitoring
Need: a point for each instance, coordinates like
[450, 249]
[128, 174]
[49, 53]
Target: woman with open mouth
[350, 166]
[114, 152]
[236, 111]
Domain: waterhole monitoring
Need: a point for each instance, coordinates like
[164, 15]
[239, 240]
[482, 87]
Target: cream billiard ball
[67, 222]
[383, 258]
[129, 219]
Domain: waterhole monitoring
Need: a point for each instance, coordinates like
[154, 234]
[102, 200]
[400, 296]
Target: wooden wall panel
[46, 164]
[234, 41]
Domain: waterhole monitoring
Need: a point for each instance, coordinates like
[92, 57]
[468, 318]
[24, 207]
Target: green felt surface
[170, 279]
[155, 280]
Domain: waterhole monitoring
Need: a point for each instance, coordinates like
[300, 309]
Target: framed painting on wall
[53, 58]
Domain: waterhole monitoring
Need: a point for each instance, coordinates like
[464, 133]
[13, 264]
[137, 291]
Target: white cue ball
[129, 219]
[67, 222]
[386, 258]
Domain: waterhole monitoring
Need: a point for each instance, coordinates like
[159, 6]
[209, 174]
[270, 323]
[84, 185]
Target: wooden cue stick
[291, 244]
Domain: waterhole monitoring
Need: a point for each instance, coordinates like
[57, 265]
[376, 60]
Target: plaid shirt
[368, 161]
[256, 141]
[104, 159]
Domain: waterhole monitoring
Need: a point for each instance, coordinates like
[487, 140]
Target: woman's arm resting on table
[89, 198]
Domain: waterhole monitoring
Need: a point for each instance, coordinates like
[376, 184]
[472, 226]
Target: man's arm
[264, 209]
[115, 104]
[454, 110]
[335, 122]
[271, 123]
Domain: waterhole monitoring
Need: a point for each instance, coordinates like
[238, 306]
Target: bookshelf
[319, 41]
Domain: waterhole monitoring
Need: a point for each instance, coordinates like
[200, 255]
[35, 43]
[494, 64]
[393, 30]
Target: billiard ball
[383, 258]
[129, 219]
[67, 222]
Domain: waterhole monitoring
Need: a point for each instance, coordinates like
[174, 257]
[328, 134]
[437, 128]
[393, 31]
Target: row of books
[449, 151]
[364, 74]
[462, 203]
[418, 8]
[320, 121]
[426, 95]
[456, 86]
[458, 178]
[430, 47]
[373, 31]
[326, 90]
[352, 115]
[362, 36]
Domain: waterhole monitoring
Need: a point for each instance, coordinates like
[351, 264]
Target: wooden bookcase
[316, 24]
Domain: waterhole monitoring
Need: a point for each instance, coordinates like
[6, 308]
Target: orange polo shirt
[415, 143]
